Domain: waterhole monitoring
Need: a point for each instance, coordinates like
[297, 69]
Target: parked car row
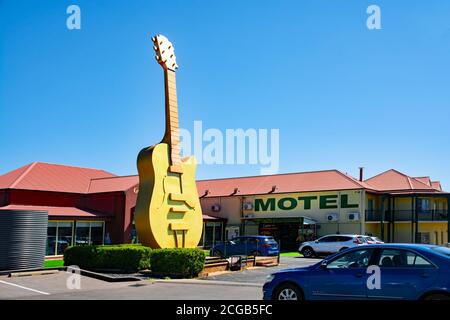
[267, 246]
[246, 245]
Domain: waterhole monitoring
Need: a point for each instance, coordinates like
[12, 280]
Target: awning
[70, 212]
[211, 218]
[309, 221]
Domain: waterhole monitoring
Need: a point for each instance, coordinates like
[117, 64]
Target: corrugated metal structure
[23, 236]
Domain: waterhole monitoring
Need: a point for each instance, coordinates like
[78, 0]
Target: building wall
[112, 203]
[402, 233]
[230, 208]
[314, 205]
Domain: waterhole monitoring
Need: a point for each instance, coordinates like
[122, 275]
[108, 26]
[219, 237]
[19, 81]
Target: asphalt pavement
[236, 285]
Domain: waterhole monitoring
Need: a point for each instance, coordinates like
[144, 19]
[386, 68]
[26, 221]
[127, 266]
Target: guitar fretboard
[172, 135]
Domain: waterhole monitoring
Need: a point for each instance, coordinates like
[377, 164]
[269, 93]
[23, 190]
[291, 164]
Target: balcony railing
[407, 215]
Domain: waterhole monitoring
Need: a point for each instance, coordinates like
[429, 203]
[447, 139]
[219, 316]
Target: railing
[407, 215]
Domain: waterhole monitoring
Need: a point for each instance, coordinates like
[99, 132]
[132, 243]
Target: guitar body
[168, 212]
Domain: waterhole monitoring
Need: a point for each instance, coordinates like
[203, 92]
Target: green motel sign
[305, 202]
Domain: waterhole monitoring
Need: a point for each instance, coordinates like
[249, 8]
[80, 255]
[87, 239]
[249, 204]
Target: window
[65, 230]
[354, 259]
[87, 233]
[59, 237]
[370, 205]
[328, 239]
[423, 204]
[51, 238]
[82, 233]
[96, 233]
[423, 237]
[343, 238]
[393, 258]
[212, 233]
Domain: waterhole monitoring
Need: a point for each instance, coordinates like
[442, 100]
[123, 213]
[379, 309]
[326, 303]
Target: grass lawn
[54, 263]
[291, 254]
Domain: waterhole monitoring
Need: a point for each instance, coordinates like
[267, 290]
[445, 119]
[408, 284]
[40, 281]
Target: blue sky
[341, 95]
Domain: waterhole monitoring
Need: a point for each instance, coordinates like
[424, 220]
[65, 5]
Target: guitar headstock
[165, 54]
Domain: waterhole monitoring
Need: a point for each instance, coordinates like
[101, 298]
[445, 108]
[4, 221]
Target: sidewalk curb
[209, 283]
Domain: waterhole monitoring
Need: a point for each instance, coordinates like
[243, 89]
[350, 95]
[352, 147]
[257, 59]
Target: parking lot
[258, 275]
[231, 285]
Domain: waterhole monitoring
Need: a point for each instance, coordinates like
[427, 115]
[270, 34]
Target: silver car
[330, 244]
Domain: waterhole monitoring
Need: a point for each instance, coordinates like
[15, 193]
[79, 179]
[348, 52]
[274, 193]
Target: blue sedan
[380, 271]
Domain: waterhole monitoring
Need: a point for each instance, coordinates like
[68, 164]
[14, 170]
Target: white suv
[330, 244]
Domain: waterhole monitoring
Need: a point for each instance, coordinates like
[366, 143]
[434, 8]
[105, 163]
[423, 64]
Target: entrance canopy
[308, 221]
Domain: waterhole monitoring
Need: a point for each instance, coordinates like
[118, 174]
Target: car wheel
[308, 252]
[217, 253]
[288, 291]
[437, 296]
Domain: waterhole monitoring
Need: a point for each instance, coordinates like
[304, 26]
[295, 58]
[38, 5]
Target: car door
[323, 244]
[404, 274]
[343, 278]
[234, 246]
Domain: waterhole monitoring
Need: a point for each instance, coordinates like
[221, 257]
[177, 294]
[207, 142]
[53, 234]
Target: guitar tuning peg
[155, 48]
[153, 39]
[157, 58]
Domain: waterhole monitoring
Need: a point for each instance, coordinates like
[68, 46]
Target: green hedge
[123, 257]
[185, 262]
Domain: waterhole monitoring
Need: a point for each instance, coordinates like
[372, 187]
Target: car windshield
[354, 259]
[442, 251]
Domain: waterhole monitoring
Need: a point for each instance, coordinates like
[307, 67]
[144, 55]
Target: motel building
[90, 206]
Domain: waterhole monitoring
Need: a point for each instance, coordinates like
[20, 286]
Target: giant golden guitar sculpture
[168, 212]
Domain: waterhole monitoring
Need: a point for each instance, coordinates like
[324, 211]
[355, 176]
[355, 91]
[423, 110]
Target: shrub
[183, 261]
[123, 257]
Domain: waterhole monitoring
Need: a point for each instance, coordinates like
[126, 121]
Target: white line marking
[25, 288]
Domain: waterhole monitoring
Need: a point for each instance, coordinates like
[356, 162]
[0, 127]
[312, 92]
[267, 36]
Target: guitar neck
[172, 135]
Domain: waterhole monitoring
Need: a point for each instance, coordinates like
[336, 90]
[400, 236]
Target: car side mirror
[324, 264]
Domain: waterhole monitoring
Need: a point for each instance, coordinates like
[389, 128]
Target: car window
[328, 239]
[238, 240]
[252, 241]
[354, 259]
[396, 258]
[343, 238]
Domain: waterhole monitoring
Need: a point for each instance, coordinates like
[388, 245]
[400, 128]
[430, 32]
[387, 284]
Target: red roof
[113, 184]
[62, 178]
[393, 180]
[425, 180]
[436, 185]
[284, 183]
[59, 211]
[51, 177]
